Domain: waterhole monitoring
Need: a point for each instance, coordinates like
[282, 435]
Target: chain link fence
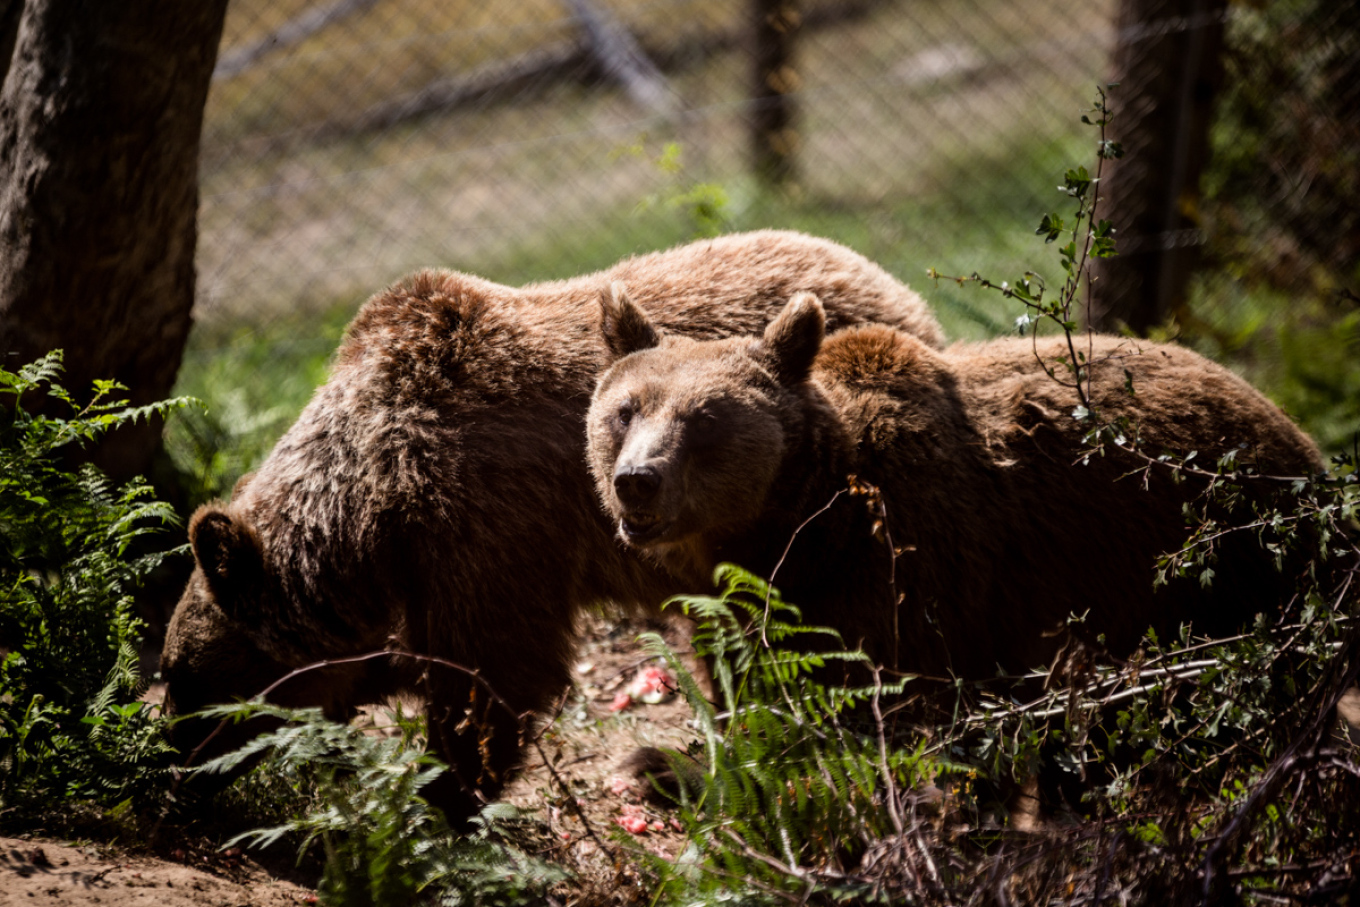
[348, 142]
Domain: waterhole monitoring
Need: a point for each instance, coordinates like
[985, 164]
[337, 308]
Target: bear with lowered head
[433, 497]
[998, 529]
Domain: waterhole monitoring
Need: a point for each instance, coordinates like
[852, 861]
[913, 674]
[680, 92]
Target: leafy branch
[1087, 239]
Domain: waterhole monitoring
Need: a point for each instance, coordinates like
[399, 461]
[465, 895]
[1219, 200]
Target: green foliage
[253, 384]
[1188, 747]
[384, 845]
[70, 725]
[796, 769]
[704, 205]
[1282, 192]
[1305, 352]
[1281, 214]
[1087, 239]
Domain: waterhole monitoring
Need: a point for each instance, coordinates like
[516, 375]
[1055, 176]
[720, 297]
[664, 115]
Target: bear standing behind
[716, 451]
[433, 496]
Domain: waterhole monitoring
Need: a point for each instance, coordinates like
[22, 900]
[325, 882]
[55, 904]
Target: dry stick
[1183, 671]
[1234, 476]
[1274, 776]
[1335, 760]
[882, 514]
[787, 548]
[775, 864]
[631, 666]
[769, 588]
[893, 811]
[1068, 842]
[1106, 862]
[472, 673]
[929, 860]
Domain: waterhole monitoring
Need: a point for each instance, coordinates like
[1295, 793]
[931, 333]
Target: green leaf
[1051, 227]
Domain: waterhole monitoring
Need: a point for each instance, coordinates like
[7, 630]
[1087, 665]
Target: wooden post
[1167, 61]
[774, 138]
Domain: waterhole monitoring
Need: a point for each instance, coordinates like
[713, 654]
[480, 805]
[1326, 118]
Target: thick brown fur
[433, 495]
[716, 451]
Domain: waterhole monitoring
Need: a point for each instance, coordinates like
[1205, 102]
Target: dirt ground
[48, 873]
[583, 817]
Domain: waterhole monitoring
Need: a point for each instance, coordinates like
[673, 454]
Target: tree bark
[1168, 63]
[10, 11]
[100, 116]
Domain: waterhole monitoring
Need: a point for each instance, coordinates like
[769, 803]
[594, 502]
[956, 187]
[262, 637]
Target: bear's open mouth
[641, 528]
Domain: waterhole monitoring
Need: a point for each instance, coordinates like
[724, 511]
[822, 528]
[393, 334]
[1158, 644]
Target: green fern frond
[67, 575]
[786, 773]
[383, 843]
[44, 370]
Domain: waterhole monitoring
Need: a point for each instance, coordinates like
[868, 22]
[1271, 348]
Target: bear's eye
[704, 428]
[627, 409]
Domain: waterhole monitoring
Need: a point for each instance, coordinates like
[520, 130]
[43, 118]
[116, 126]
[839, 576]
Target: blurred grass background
[403, 134]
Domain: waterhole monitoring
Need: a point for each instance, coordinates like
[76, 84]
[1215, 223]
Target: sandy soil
[50, 873]
[579, 809]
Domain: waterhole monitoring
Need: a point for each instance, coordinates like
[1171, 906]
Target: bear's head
[687, 437]
[209, 656]
[218, 646]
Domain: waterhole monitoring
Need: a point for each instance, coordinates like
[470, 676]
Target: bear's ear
[230, 557]
[626, 328]
[791, 342]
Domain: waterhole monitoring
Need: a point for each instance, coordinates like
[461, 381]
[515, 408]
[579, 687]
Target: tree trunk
[100, 115]
[10, 10]
[1168, 64]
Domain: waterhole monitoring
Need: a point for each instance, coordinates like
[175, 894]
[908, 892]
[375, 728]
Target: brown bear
[741, 450]
[433, 496]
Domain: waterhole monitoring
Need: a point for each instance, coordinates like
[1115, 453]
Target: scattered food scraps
[651, 685]
[633, 819]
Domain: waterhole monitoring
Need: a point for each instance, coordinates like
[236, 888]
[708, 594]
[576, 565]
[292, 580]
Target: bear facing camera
[997, 528]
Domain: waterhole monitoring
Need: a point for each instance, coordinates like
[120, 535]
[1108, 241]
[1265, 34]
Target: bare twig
[787, 548]
[891, 795]
[521, 718]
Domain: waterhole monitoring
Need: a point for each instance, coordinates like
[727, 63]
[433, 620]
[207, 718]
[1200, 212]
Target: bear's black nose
[636, 485]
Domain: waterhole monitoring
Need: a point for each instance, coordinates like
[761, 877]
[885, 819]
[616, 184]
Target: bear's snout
[636, 486]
